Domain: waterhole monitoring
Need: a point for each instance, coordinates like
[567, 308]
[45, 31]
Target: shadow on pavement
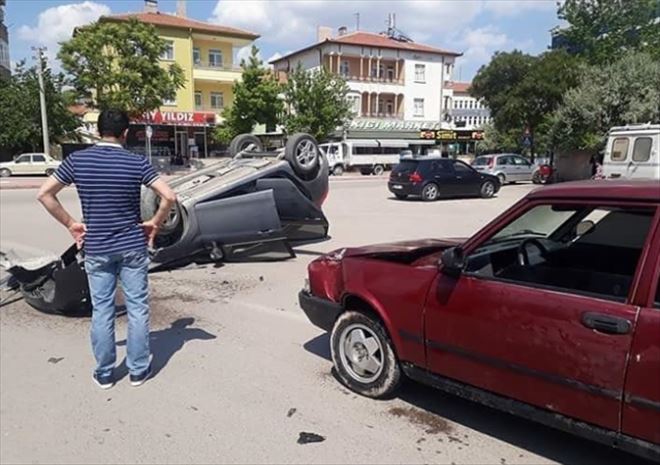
[519, 432]
[167, 342]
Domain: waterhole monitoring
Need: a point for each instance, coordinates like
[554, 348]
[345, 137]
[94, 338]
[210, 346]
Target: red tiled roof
[163, 19]
[370, 39]
[459, 86]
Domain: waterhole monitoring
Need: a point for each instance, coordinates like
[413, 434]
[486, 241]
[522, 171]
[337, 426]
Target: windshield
[539, 221]
[481, 161]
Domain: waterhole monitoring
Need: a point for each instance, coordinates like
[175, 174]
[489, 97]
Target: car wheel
[50, 171]
[502, 179]
[363, 356]
[365, 171]
[430, 192]
[338, 170]
[378, 170]
[5, 173]
[245, 142]
[536, 178]
[487, 190]
[149, 207]
[401, 196]
[302, 152]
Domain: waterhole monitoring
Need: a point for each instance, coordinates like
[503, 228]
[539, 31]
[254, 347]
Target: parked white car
[633, 152]
[29, 163]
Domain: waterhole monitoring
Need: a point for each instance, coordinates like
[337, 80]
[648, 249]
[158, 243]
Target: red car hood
[406, 251]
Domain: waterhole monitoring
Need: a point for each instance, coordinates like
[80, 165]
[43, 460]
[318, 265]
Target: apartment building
[206, 53]
[466, 111]
[5, 66]
[397, 87]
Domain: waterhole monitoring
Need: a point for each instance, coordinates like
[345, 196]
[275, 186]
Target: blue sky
[475, 27]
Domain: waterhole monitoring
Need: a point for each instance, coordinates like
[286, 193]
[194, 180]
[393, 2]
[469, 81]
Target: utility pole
[42, 97]
[357, 21]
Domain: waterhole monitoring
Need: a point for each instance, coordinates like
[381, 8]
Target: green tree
[624, 92]
[20, 110]
[604, 30]
[316, 102]
[256, 100]
[116, 65]
[522, 90]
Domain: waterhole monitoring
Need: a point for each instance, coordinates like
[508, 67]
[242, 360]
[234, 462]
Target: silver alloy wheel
[306, 153]
[361, 353]
[430, 191]
[4, 173]
[488, 189]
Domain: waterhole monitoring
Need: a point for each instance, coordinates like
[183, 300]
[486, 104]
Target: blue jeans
[102, 272]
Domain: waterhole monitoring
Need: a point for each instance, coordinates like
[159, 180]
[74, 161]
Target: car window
[462, 169]
[406, 166]
[520, 161]
[482, 161]
[544, 247]
[503, 161]
[620, 149]
[23, 159]
[642, 149]
[38, 158]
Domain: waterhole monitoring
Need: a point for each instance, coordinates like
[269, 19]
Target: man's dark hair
[112, 123]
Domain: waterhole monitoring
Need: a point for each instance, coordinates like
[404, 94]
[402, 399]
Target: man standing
[114, 239]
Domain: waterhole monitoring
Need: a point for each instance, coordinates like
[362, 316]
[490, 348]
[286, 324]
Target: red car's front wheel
[363, 355]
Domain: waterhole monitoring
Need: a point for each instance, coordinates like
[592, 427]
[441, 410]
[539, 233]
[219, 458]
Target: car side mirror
[452, 262]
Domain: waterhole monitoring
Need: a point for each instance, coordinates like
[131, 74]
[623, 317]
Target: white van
[633, 152]
[370, 156]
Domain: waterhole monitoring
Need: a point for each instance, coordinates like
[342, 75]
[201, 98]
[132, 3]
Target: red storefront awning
[176, 118]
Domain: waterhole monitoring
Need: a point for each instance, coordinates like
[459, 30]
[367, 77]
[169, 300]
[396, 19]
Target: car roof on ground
[644, 190]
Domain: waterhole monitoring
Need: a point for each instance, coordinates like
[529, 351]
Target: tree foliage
[624, 92]
[603, 30]
[116, 65]
[316, 102]
[20, 110]
[523, 90]
[256, 100]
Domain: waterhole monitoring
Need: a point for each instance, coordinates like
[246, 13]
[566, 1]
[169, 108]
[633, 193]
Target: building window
[215, 58]
[198, 99]
[344, 69]
[420, 73]
[197, 56]
[168, 53]
[169, 102]
[418, 107]
[355, 101]
[217, 100]
[448, 72]
[4, 54]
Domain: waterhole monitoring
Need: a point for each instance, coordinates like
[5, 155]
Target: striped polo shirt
[108, 180]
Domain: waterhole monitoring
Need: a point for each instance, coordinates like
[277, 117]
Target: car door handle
[607, 324]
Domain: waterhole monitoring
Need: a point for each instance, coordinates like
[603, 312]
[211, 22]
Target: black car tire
[50, 171]
[366, 171]
[387, 378]
[243, 142]
[302, 153]
[378, 170]
[5, 173]
[502, 179]
[487, 190]
[338, 170]
[430, 192]
[401, 196]
[536, 178]
[149, 207]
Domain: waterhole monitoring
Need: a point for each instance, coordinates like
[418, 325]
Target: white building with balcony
[397, 87]
[466, 111]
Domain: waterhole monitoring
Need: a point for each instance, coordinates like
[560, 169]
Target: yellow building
[205, 51]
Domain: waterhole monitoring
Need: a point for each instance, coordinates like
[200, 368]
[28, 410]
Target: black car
[433, 178]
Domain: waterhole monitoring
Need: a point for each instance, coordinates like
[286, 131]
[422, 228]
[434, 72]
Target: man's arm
[48, 198]
[167, 199]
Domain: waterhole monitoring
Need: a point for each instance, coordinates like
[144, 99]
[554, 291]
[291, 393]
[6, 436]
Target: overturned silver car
[251, 207]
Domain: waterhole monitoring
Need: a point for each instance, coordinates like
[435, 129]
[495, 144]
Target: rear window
[407, 166]
[482, 161]
[642, 149]
[620, 149]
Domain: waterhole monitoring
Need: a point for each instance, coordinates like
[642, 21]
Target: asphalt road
[240, 373]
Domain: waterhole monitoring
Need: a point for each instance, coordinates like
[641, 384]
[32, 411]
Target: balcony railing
[209, 108]
[215, 66]
[380, 80]
[383, 115]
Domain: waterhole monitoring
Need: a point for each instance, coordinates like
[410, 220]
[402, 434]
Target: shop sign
[392, 125]
[179, 118]
[444, 134]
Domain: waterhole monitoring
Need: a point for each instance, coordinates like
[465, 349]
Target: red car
[551, 312]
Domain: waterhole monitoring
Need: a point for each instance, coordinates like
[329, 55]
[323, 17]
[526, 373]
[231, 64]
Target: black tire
[338, 170]
[50, 171]
[401, 196]
[487, 190]
[502, 179]
[366, 171]
[149, 206]
[378, 170]
[5, 173]
[376, 384]
[430, 192]
[302, 153]
[243, 142]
